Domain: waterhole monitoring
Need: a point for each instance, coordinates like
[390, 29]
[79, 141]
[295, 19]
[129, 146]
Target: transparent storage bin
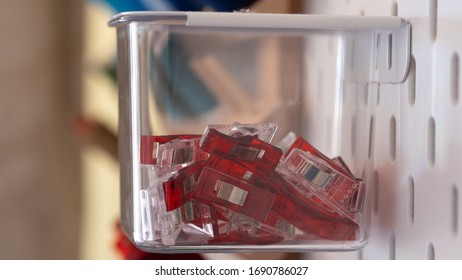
[179, 72]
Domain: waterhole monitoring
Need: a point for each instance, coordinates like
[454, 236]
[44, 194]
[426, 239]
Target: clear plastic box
[179, 72]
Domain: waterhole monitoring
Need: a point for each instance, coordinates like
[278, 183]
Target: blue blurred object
[226, 5]
[179, 5]
[179, 92]
[124, 5]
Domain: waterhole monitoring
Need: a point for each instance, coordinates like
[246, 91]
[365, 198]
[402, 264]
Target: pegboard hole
[411, 186]
[375, 193]
[392, 246]
[371, 137]
[455, 210]
[411, 81]
[389, 51]
[366, 93]
[378, 38]
[430, 251]
[431, 146]
[433, 19]
[394, 8]
[393, 138]
[455, 78]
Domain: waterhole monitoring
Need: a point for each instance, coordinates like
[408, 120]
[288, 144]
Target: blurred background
[41, 172]
[59, 172]
[59, 177]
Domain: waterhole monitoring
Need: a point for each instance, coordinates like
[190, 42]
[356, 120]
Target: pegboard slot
[431, 139]
[393, 138]
[371, 137]
[366, 93]
[430, 251]
[377, 53]
[455, 210]
[411, 82]
[394, 8]
[392, 246]
[411, 186]
[433, 19]
[375, 193]
[389, 51]
[454, 78]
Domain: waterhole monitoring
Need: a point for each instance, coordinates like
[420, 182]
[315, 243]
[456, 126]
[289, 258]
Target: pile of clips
[232, 186]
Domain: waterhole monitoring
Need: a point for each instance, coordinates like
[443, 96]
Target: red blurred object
[149, 145]
[129, 251]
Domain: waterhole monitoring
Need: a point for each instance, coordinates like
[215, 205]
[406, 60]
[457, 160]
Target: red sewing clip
[314, 175]
[307, 214]
[179, 188]
[248, 149]
[150, 144]
[178, 154]
[234, 193]
[293, 141]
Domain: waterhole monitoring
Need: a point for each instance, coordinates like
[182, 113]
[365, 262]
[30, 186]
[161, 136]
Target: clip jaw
[150, 145]
[249, 149]
[263, 131]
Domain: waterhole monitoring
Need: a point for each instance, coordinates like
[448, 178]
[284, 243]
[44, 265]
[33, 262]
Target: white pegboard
[416, 149]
